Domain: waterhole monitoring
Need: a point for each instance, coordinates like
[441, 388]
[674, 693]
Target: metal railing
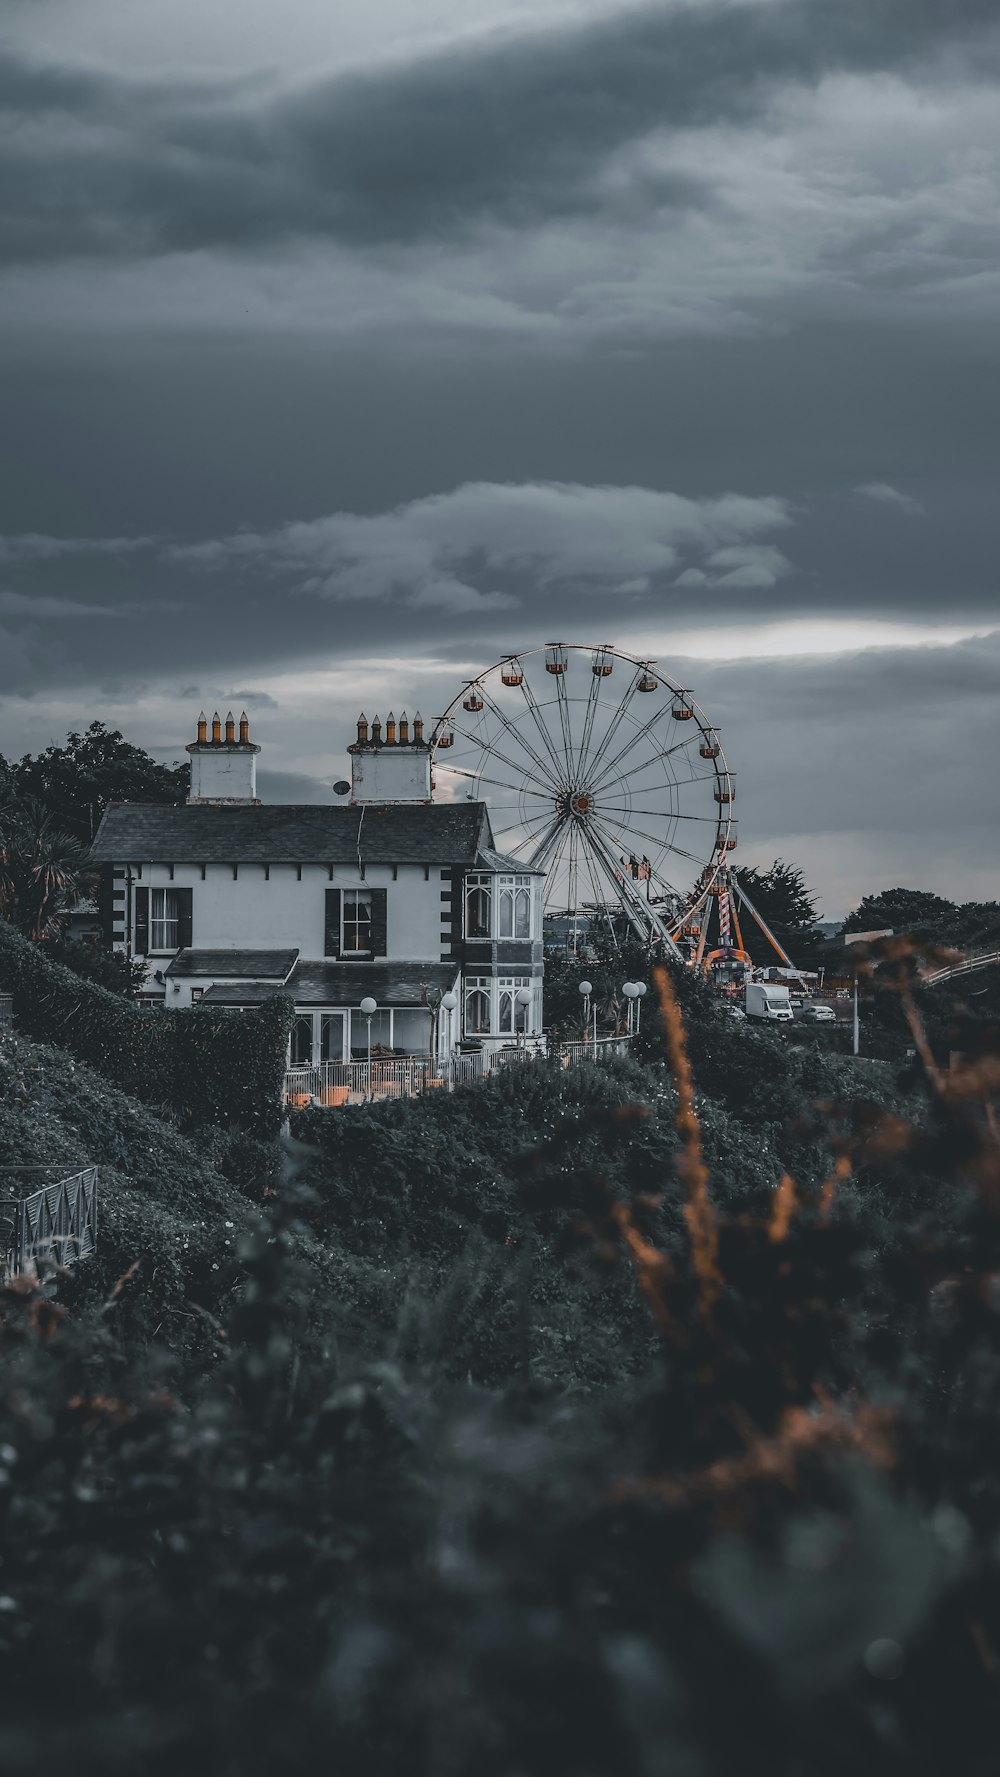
[978, 959]
[329, 1083]
[57, 1222]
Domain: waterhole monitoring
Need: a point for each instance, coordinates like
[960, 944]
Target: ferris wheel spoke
[640, 734]
[666, 783]
[615, 723]
[566, 725]
[664, 845]
[554, 866]
[600, 900]
[479, 777]
[658, 814]
[593, 701]
[536, 717]
[514, 732]
[530, 827]
[641, 916]
[543, 848]
[490, 748]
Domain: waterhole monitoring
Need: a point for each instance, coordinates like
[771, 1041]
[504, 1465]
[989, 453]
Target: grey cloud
[259, 700]
[31, 547]
[510, 129]
[22, 604]
[887, 495]
[448, 551]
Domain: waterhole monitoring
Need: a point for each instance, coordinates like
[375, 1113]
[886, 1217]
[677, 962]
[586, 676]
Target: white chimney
[394, 767]
[223, 769]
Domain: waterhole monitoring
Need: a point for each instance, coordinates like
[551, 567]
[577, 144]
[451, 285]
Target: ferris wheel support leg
[765, 928]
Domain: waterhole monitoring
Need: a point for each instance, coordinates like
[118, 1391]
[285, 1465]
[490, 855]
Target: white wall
[391, 774]
[223, 774]
[255, 912]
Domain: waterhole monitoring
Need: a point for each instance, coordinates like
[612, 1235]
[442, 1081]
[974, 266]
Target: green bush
[212, 1065]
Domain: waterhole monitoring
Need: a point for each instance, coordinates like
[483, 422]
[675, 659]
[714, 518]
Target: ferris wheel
[601, 770]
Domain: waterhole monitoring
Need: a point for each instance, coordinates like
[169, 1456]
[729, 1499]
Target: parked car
[818, 1015]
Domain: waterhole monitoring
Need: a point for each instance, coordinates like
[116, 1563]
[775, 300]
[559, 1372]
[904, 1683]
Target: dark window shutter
[184, 912]
[379, 920]
[142, 921]
[331, 930]
[106, 903]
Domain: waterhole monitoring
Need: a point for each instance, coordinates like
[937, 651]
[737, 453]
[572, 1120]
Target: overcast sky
[347, 347]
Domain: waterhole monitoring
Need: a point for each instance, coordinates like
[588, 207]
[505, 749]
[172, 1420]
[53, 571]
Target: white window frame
[520, 1017]
[163, 925]
[473, 986]
[480, 883]
[514, 895]
[355, 897]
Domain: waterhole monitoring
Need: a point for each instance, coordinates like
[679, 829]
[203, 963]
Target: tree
[787, 905]
[915, 911]
[42, 868]
[78, 781]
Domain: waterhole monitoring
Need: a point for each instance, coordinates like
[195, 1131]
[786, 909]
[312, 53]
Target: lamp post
[631, 992]
[642, 988]
[369, 1007]
[522, 998]
[586, 989]
[448, 1003]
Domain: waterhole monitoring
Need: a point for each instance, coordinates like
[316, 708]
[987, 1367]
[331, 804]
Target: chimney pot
[244, 729]
[418, 728]
[376, 731]
[390, 730]
[202, 727]
[230, 729]
[217, 729]
[362, 729]
[404, 730]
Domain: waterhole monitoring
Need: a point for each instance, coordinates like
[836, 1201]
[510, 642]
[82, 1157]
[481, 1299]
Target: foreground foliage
[406, 1539]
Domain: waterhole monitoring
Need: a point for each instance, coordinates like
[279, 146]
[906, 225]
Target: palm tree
[42, 868]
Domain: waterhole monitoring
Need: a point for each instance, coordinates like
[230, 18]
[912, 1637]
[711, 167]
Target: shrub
[211, 1064]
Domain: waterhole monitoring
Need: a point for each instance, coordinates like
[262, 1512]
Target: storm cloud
[342, 356]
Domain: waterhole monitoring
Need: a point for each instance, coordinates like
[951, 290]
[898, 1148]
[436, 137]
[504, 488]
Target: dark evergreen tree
[78, 781]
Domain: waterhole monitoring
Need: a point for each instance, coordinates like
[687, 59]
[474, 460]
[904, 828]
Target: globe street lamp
[631, 991]
[586, 989]
[369, 1007]
[523, 998]
[448, 1003]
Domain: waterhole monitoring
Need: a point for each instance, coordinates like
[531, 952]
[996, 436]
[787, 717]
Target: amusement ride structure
[603, 771]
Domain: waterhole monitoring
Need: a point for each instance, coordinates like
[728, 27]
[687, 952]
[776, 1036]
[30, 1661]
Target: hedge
[210, 1064]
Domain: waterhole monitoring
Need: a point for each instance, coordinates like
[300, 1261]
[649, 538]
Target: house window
[302, 1042]
[477, 1005]
[512, 1018]
[166, 907]
[514, 907]
[331, 1036]
[356, 923]
[478, 906]
[196, 993]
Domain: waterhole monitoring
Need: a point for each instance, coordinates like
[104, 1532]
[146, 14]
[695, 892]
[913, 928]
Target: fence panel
[57, 1222]
[331, 1083]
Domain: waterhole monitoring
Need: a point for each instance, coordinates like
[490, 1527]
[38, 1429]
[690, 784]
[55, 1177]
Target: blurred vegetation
[597, 1422]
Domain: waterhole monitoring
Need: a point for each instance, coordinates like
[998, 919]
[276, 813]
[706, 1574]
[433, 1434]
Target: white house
[392, 897]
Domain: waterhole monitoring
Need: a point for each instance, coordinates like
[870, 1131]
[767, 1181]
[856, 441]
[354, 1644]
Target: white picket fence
[330, 1083]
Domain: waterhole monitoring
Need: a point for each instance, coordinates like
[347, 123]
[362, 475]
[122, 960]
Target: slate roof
[488, 859]
[344, 984]
[291, 833]
[236, 965]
